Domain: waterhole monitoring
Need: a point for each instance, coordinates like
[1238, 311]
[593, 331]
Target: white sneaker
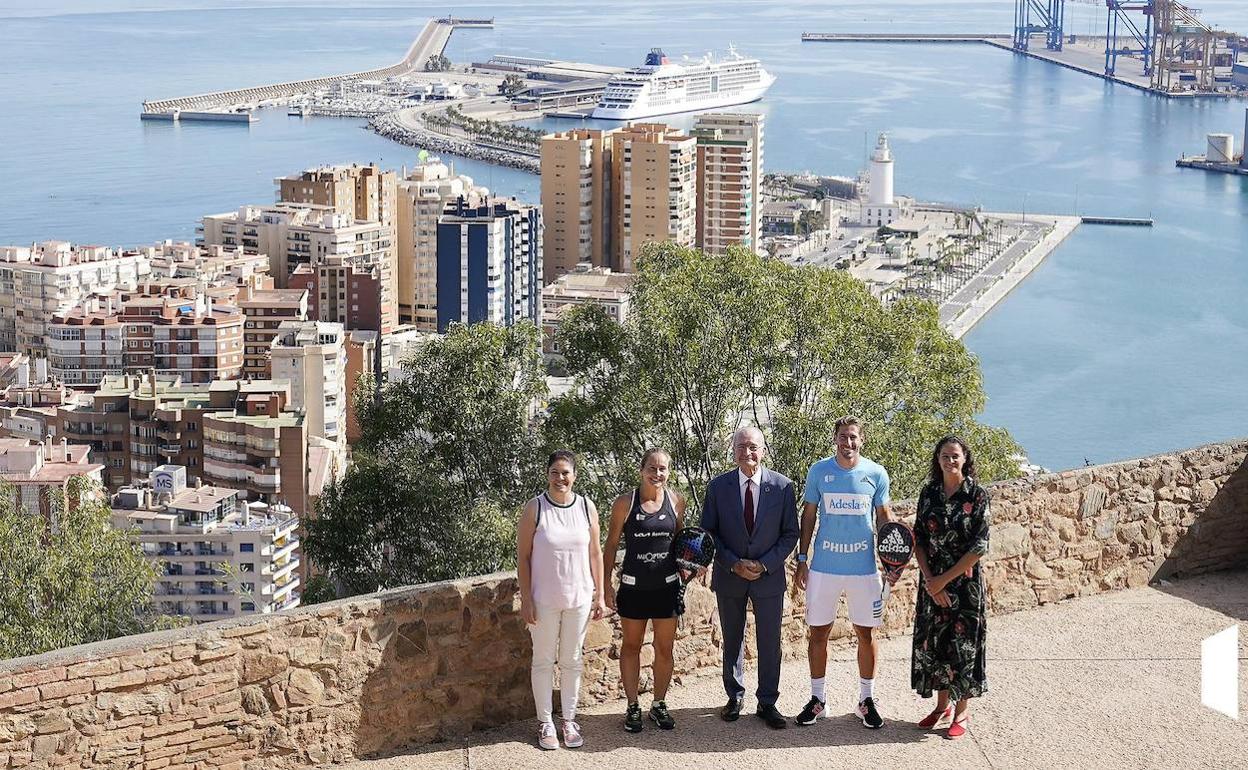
[572, 735]
[546, 738]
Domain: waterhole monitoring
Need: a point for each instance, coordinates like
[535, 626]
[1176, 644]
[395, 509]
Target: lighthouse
[879, 206]
[881, 189]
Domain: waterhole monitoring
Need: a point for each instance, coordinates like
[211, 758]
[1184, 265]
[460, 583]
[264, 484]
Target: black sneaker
[870, 717]
[632, 718]
[813, 712]
[658, 712]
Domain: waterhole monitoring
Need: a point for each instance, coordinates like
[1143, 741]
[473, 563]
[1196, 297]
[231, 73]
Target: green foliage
[447, 458]
[482, 129]
[450, 453]
[511, 84]
[810, 221]
[437, 63]
[318, 589]
[77, 582]
[714, 341]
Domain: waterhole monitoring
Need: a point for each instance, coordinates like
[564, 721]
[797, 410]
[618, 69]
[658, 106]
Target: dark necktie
[749, 506]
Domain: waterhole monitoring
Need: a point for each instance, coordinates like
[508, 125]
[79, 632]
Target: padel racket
[694, 549]
[894, 543]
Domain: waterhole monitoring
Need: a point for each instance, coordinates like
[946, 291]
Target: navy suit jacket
[776, 532]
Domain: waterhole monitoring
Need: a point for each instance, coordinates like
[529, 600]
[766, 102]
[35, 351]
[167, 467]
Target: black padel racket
[894, 542]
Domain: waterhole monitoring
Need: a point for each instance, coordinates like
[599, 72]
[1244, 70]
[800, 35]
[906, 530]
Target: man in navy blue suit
[752, 513]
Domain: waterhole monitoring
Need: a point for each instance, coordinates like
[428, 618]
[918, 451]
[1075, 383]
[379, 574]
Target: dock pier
[1204, 164]
[872, 37]
[1127, 221]
[431, 41]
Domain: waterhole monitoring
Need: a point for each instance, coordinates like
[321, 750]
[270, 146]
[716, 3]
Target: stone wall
[350, 678]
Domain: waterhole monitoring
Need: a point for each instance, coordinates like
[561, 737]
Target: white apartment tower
[312, 355]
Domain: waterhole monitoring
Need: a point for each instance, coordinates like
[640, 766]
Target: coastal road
[993, 272]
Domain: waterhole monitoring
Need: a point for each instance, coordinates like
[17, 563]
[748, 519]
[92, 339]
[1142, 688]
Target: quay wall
[347, 679]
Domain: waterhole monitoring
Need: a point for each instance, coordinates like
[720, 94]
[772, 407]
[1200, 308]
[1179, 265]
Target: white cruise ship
[662, 87]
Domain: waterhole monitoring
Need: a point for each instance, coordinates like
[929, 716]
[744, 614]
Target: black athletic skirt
[643, 604]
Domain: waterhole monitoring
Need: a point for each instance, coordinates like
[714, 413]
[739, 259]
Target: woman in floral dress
[951, 536]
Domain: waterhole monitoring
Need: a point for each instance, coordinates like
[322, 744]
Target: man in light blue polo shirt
[848, 495]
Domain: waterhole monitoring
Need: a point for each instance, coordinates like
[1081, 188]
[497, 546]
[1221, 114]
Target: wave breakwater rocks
[391, 127]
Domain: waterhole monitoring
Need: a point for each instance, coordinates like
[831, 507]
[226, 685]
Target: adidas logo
[893, 542]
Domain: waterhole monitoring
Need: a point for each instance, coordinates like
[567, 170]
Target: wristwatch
[801, 558]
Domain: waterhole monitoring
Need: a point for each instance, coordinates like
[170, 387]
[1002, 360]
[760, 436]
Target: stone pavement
[1106, 681]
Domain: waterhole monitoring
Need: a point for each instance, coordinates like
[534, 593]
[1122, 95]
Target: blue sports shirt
[847, 499]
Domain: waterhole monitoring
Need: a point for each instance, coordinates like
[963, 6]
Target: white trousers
[558, 636]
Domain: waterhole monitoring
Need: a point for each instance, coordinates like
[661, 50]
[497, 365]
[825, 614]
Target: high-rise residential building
[361, 361]
[260, 446]
[423, 195]
[32, 469]
[730, 170]
[363, 193]
[212, 265]
[295, 234]
[653, 189]
[236, 433]
[39, 281]
[266, 310]
[312, 356]
[194, 532]
[576, 200]
[489, 263]
[585, 285]
[340, 292]
[175, 332]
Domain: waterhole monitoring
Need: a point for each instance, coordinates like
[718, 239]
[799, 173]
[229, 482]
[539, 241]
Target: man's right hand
[799, 577]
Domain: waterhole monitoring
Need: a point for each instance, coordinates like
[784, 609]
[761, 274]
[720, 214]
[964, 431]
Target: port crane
[1177, 50]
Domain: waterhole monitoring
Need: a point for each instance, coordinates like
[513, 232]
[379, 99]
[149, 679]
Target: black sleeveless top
[648, 561]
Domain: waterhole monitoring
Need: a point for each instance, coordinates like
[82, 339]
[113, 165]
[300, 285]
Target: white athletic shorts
[865, 594]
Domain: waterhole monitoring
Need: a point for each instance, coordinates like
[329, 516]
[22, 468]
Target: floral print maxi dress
[949, 642]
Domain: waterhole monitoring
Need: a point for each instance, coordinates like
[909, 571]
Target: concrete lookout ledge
[359, 677]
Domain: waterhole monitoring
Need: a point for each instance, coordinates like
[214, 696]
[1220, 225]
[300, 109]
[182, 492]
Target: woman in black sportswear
[646, 519]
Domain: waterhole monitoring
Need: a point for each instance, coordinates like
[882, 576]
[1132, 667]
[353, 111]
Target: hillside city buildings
[207, 387]
[218, 555]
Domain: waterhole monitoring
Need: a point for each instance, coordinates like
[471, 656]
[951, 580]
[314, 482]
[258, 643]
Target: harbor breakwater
[393, 127]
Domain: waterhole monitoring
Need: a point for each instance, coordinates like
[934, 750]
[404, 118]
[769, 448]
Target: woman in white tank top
[559, 560]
